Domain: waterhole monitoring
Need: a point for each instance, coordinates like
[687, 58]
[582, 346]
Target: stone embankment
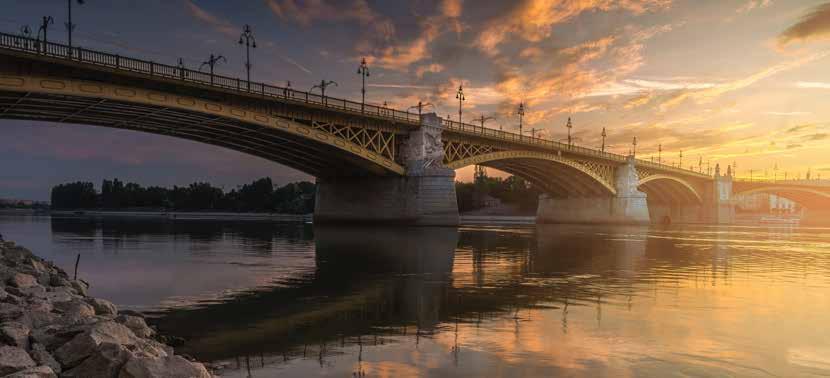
[50, 327]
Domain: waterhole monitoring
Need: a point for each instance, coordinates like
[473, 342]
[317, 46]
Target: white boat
[779, 220]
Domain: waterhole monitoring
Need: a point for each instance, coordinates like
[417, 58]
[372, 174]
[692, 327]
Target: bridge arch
[669, 189]
[804, 196]
[556, 175]
[318, 149]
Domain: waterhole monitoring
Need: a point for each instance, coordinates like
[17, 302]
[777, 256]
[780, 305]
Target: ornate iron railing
[151, 68]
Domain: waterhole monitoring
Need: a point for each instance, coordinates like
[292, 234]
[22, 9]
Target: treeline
[511, 191]
[258, 196]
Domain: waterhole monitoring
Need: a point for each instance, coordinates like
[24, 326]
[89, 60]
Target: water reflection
[292, 300]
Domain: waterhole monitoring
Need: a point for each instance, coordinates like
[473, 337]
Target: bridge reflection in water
[387, 285]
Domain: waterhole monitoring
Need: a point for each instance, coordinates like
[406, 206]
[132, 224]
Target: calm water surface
[295, 300]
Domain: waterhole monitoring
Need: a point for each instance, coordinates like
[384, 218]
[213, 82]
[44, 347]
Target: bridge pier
[627, 206]
[718, 204]
[424, 196]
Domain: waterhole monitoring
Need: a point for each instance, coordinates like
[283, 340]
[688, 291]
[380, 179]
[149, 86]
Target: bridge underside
[670, 201]
[557, 180]
[295, 151]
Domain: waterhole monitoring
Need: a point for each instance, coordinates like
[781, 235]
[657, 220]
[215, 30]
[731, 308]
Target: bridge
[372, 163]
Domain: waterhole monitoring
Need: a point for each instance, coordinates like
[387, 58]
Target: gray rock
[10, 312]
[58, 280]
[80, 287]
[136, 324]
[86, 343]
[22, 280]
[105, 361]
[34, 372]
[103, 307]
[165, 367]
[15, 334]
[60, 294]
[14, 359]
[42, 357]
[54, 335]
[74, 312]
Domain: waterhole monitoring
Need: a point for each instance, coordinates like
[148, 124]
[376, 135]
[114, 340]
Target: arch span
[669, 190]
[557, 175]
[318, 149]
[807, 197]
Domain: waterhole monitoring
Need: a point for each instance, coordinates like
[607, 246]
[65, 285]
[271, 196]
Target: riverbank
[50, 326]
[185, 215]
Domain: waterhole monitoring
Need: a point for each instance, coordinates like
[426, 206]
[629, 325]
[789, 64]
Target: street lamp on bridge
[69, 25]
[248, 37]
[211, 62]
[680, 164]
[322, 86]
[44, 26]
[634, 148]
[460, 96]
[660, 153]
[603, 140]
[483, 119]
[569, 125]
[521, 113]
[363, 71]
[420, 107]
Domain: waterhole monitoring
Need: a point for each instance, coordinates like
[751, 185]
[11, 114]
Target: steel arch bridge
[323, 136]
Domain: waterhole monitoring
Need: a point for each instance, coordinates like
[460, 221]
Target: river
[293, 300]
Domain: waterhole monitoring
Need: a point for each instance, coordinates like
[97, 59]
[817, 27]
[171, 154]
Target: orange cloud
[813, 25]
[221, 25]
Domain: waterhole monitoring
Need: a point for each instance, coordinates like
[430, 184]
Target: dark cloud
[813, 25]
[814, 137]
[799, 128]
[791, 146]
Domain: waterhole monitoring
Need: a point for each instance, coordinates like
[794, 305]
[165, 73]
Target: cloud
[813, 25]
[812, 85]
[221, 25]
[788, 114]
[708, 94]
[533, 20]
[307, 12]
[752, 5]
[814, 137]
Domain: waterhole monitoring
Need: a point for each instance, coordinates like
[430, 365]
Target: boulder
[103, 307]
[34, 372]
[136, 324]
[22, 280]
[42, 357]
[14, 359]
[105, 361]
[74, 312]
[80, 287]
[60, 294]
[86, 343]
[164, 367]
[15, 334]
[9, 312]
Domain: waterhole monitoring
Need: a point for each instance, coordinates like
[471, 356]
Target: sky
[738, 82]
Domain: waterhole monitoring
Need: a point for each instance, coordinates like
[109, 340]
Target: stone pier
[628, 206]
[718, 204]
[425, 196]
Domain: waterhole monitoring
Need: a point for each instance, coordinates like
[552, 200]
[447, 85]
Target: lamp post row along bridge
[372, 163]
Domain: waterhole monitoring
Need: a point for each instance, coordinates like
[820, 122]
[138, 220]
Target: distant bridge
[373, 163]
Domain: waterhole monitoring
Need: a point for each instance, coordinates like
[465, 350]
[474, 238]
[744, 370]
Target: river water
[267, 299]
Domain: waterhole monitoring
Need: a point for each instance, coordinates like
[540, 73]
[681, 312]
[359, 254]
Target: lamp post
[363, 71]
[521, 113]
[460, 96]
[634, 148]
[44, 26]
[69, 25]
[420, 107]
[603, 140]
[287, 90]
[211, 62]
[569, 125]
[483, 119]
[700, 164]
[660, 153]
[247, 38]
[680, 164]
[323, 85]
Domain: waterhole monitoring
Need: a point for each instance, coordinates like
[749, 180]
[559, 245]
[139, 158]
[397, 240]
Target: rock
[42, 357]
[106, 361]
[34, 372]
[15, 334]
[74, 312]
[80, 287]
[167, 367]
[59, 294]
[22, 280]
[9, 312]
[136, 324]
[103, 307]
[85, 344]
[58, 280]
[14, 359]
[54, 335]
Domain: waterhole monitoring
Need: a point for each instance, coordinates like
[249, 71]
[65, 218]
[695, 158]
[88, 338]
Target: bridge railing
[115, 61]
[148, 67]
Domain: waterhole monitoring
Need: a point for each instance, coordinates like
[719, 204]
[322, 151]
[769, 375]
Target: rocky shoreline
[51, 327]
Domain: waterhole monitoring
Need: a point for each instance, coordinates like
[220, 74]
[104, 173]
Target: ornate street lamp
[521, 113]
[211, 62]
[460, 96]
[483, 119]
[603, 140]
[69, 25]
[660, 153]
[569, 125]
[322, 86]
[420, 107]
[247, 38]
[363, 71]
[634, 148]
[44, 26]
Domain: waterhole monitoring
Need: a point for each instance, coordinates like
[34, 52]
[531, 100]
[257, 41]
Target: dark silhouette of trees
[512, 191]
[258, 196]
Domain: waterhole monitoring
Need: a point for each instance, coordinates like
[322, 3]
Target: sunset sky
[741, 81]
